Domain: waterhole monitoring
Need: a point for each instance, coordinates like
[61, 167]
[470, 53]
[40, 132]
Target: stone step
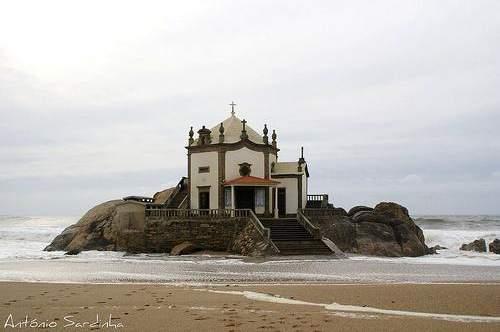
[292, 238]
[311, 247]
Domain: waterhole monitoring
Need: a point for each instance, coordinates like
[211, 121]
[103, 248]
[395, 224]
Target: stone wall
[249, 242]
[157, 234]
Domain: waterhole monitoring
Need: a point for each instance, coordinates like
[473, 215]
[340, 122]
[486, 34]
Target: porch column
[233, 205]
[276, 213]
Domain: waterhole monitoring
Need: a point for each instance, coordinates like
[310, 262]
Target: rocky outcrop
[123, 226]
[162, 196]
[494, 246]
[72, 252]
[357, 209]
[386, 230]
[185, 248]
[92, 232]
[476, 245]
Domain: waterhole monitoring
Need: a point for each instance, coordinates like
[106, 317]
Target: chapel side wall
[204, 159]
[234, 158]
[291, 193]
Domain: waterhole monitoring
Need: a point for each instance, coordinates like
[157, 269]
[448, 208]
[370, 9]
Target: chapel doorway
[282, 202]
[245, 198]
[204, 200]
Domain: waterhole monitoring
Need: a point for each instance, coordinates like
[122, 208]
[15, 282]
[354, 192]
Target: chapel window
[204, 169]
[260, 197]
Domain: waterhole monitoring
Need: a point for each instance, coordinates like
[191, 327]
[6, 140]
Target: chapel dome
[232, 131]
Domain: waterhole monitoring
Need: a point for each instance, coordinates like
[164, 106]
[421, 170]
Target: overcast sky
[392, 100]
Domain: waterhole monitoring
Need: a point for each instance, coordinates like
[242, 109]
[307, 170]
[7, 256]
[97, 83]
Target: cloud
[388, 106]
[411, 179]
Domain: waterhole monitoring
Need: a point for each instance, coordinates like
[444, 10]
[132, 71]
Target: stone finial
[221, 133]
[265, 138]
[204, 136]
[244, 134]
[273, 136]
[191, 133]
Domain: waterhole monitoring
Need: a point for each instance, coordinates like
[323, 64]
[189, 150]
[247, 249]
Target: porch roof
[251, 181]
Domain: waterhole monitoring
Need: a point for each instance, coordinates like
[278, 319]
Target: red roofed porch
[251, 192]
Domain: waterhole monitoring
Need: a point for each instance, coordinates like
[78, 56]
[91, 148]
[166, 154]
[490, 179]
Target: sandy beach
[252, 307]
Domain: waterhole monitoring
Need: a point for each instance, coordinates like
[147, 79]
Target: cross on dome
[232, 108]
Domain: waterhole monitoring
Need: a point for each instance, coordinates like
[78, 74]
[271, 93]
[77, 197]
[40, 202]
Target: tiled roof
[285, 168]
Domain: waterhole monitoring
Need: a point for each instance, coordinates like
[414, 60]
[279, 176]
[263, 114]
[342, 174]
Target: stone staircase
[179, 195]
[292, 238]
[177, 199]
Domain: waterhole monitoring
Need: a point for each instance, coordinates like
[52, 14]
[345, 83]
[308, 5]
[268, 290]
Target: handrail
[317, 197]
[172, 195]
[322, 199]
[265, 232]
[158, 210]
[183, 200]
[260, 228]
[304, 221]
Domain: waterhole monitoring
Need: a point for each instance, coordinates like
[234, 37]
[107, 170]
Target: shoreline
[257, 307]
[256, 283]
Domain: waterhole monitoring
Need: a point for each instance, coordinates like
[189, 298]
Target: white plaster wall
[292, 198]
[234, 158]
[203, 159]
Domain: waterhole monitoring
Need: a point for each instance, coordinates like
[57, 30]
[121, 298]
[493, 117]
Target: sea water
[22, 240]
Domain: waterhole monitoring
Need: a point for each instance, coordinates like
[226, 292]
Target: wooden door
[204, 200]
[282, 202]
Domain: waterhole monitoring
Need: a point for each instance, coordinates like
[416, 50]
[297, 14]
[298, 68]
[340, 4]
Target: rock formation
[494, 246]
[184, 248]
[162, 196]
[92, 232]
[122, 226]
[476, 245]
[386, 230]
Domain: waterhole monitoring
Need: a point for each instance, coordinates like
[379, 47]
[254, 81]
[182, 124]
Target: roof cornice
[233, 146]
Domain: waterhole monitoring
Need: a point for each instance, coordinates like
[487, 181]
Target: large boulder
[395, 214]
[338, 228]
[340, 211]
[358, 208]
[377, 240]
[476, 245]
[92, 232]
[494, 246]
[162, 197]
[409, 241]
[386, 230]
[185, 248]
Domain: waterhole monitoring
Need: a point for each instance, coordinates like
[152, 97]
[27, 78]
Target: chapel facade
[232, 166]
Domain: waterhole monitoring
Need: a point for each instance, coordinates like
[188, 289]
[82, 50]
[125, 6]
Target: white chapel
[232, 166]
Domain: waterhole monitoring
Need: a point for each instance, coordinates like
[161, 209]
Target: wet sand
[300, 307]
